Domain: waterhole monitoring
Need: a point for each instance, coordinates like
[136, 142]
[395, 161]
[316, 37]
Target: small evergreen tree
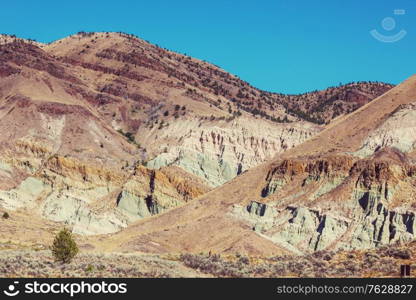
[64, 247]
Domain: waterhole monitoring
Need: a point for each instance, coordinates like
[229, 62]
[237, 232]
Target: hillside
[99, 130]
[352, 187]
[77, 137]
[323, 106]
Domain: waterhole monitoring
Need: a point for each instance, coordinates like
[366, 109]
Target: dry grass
[29, 263]
[381, 262]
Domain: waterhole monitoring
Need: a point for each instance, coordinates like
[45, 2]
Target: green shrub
[89, 268]
[64, 247]
[6, 215]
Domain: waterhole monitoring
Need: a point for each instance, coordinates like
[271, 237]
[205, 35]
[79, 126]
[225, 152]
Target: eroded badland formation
[142, 150]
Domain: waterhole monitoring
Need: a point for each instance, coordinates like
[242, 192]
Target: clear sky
[288, 46]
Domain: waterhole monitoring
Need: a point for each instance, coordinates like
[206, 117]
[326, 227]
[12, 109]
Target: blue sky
[287, 46]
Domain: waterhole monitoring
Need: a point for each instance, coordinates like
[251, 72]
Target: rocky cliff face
[219, 152]
[95, 200]
[362, 197]
[337, 202]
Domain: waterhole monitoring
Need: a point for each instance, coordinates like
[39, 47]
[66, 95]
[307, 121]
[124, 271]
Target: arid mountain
[76, 136]
[352, 186]
[152, 96]
[99, 130]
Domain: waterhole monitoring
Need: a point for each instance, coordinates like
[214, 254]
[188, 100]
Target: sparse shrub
[385, 265]
[244, 260]
[6, 215]
[101, 268]
[399, 253]
[351, 255]
[371, 258]
[89, 268]
[280, 269]
[64, 247]
[128, 135]
[327, 257]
